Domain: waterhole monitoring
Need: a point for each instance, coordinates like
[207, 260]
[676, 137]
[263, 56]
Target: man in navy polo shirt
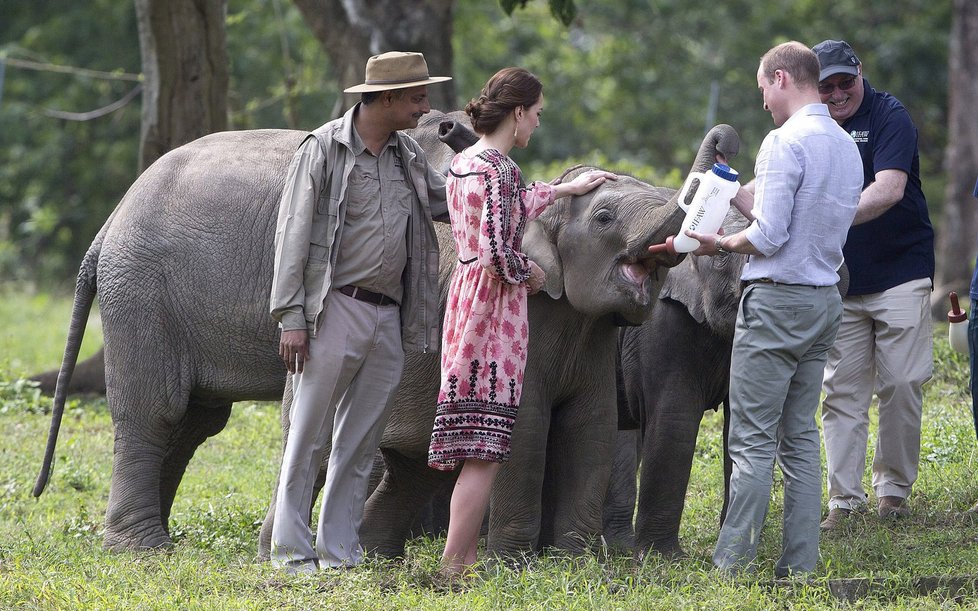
[885, 340]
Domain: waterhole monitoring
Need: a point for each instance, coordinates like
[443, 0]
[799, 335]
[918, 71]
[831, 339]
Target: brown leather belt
[364, 295]
[769, 281]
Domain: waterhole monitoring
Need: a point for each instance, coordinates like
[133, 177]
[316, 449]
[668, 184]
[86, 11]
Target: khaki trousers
[884, 344]
[343, 393]
[780, 343]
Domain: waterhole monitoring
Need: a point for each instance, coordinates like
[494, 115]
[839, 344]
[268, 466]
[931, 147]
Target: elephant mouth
[638, 270]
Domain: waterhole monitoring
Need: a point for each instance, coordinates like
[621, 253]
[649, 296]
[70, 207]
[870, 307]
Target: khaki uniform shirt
[373, 252]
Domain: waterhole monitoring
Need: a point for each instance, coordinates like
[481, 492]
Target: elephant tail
[86, 287]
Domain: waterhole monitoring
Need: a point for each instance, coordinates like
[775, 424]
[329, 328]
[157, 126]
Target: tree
[59, 177]
[959, 223]
[629, 84]
[185, 69]
[352, 31]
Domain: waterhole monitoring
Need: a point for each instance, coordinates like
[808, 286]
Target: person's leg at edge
[759, 374]
[361, 415]
[848, 385]
[470, 498]
[905, 357]
[799, 447]
[972, 355]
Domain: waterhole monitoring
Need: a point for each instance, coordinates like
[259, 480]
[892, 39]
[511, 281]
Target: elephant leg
[433, 519]
[132, 517]
[393, 508]
[667, 458]
[143, 432]
[619, 504]
[515, 502]
[204, 418]
[580, 451]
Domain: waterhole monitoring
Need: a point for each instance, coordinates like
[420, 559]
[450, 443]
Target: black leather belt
[364, 295]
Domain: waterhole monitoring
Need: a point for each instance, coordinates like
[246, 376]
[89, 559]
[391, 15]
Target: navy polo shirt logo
[860, 136]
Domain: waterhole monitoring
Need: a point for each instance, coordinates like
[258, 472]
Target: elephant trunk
[720, 144]
[456, 135]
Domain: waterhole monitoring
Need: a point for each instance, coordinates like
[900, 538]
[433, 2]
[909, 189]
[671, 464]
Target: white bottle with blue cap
[710, 204]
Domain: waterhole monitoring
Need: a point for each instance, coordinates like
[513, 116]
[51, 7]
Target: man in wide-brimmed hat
[355, 285]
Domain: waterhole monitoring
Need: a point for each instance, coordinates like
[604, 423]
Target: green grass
[51, 555]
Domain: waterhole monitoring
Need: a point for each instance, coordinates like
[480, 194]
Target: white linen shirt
[808, 178]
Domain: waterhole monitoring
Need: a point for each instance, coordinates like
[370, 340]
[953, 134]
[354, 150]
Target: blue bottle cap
[724, 171]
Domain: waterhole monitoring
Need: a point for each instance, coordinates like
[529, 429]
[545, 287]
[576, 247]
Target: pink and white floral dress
[485, 330]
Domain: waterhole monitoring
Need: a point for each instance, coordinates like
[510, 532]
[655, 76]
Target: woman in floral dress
[484, 343]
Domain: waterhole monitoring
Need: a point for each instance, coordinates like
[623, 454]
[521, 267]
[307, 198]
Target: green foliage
[20, 395]
[562, 10]
[638, 80]
[30, 340]
[280, 75]
[59, 178]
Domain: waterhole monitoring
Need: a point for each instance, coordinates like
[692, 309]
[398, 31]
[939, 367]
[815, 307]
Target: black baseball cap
[835, 57]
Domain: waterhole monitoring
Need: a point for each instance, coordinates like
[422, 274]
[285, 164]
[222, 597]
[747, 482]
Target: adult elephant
[594, 249]
[439, 134]
[183, 270]
[672, 369]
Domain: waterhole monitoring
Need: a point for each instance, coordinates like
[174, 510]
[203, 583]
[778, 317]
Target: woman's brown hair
[507, 89]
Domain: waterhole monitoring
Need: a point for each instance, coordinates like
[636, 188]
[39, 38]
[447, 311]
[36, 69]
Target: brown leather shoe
[893, 507]
[837, 518]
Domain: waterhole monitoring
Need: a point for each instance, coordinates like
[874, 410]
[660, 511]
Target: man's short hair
[794, 58]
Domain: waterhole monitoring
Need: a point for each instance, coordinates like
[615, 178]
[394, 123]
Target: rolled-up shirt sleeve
[778, 173]
[292, 234]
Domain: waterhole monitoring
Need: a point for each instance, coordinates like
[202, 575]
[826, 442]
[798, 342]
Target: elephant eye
[604, 217]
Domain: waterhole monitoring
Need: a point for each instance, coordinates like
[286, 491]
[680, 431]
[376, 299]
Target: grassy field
[51, 555]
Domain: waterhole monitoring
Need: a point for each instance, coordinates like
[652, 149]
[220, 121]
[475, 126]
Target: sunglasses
[843, 85]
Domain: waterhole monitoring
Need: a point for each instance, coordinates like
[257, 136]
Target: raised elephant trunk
[720, 144]
[646, 252]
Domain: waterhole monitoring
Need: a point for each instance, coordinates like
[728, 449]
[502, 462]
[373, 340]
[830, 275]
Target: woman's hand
[537, 278]
[583, 183]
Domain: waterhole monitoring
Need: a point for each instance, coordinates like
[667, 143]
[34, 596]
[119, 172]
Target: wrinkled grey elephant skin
[183, 269]
[550, 493]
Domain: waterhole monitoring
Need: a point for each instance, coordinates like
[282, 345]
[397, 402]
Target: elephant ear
[682, 285]
[540, 246]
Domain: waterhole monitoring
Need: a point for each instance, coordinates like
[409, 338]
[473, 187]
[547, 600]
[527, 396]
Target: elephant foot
[618, 543]
[386, 551]
[670, 551]
[128, 542]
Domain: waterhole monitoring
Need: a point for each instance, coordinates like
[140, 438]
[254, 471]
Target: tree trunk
[185, 67]
[353, 30]
[959, 224]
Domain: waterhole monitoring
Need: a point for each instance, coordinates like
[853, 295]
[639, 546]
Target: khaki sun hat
[395, 70]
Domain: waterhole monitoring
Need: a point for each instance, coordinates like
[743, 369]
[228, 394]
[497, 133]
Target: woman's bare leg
[468, 508]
